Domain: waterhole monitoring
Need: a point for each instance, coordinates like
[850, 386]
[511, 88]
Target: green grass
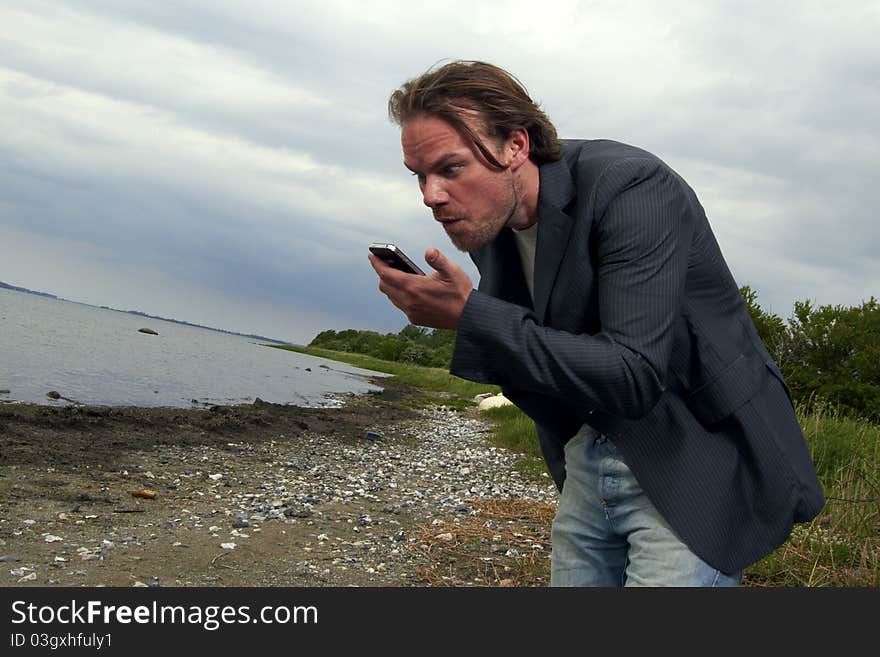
[515, 431]
[840, 547]
[429, 379]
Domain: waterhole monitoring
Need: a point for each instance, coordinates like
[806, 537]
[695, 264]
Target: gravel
[310, 510]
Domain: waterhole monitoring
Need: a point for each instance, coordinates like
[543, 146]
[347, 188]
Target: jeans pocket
[579, 442]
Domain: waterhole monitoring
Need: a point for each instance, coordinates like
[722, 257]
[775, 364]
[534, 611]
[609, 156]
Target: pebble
[427, 469]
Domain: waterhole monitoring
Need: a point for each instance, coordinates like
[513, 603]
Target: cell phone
[393, 256]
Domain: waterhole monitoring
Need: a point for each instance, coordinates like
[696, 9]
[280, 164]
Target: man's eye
[452, 169]
[420, 177]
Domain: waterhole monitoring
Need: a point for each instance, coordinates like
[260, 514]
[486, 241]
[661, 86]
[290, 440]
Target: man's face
[472, 199]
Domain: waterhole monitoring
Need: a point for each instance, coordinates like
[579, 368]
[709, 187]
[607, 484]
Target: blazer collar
[500, 269]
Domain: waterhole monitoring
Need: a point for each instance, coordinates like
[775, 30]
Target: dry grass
[506, 543]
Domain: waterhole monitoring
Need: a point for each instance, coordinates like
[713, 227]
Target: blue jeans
[607, 533]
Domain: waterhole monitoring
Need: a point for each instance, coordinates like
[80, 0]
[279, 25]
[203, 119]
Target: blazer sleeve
[645, 218]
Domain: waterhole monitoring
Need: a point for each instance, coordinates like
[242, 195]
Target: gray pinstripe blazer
[638, 329]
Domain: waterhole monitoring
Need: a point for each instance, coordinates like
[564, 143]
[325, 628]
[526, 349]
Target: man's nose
[433, 192]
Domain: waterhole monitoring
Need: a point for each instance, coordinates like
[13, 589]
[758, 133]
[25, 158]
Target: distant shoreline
[138, 313]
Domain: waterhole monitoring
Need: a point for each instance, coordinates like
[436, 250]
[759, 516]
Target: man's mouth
[448, 221]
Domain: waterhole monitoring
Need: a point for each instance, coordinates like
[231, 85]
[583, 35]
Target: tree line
[828, 354]
[413, 344]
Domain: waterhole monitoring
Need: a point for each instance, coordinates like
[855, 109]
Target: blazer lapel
[556, 192]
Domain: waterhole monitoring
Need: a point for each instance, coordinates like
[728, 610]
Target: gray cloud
[229, 167]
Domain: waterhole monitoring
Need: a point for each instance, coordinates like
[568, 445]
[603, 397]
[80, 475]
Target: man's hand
[436, 300]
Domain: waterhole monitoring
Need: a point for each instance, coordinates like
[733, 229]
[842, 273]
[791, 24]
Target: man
[606, 312]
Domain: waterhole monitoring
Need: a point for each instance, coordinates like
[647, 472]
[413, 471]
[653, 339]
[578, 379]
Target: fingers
[437, 260]
[436, 300]
[388, 272]
[392, 283]
[378, 264]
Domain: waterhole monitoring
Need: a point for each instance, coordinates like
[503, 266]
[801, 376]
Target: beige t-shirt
[526, 241]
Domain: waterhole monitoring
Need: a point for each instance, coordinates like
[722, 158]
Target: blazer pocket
[731, 388]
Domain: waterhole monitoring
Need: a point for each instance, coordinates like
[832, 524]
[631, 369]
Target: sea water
[94, 355]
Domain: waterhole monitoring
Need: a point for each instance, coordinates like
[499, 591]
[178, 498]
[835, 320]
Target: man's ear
[517, 148]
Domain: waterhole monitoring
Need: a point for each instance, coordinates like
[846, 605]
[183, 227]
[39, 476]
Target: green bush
[413, 344]
[828, 354]
[834, 354]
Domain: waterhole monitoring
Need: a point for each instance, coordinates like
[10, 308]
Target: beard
[482, 231]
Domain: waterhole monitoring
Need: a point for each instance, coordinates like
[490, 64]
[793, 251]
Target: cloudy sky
[228, 165]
